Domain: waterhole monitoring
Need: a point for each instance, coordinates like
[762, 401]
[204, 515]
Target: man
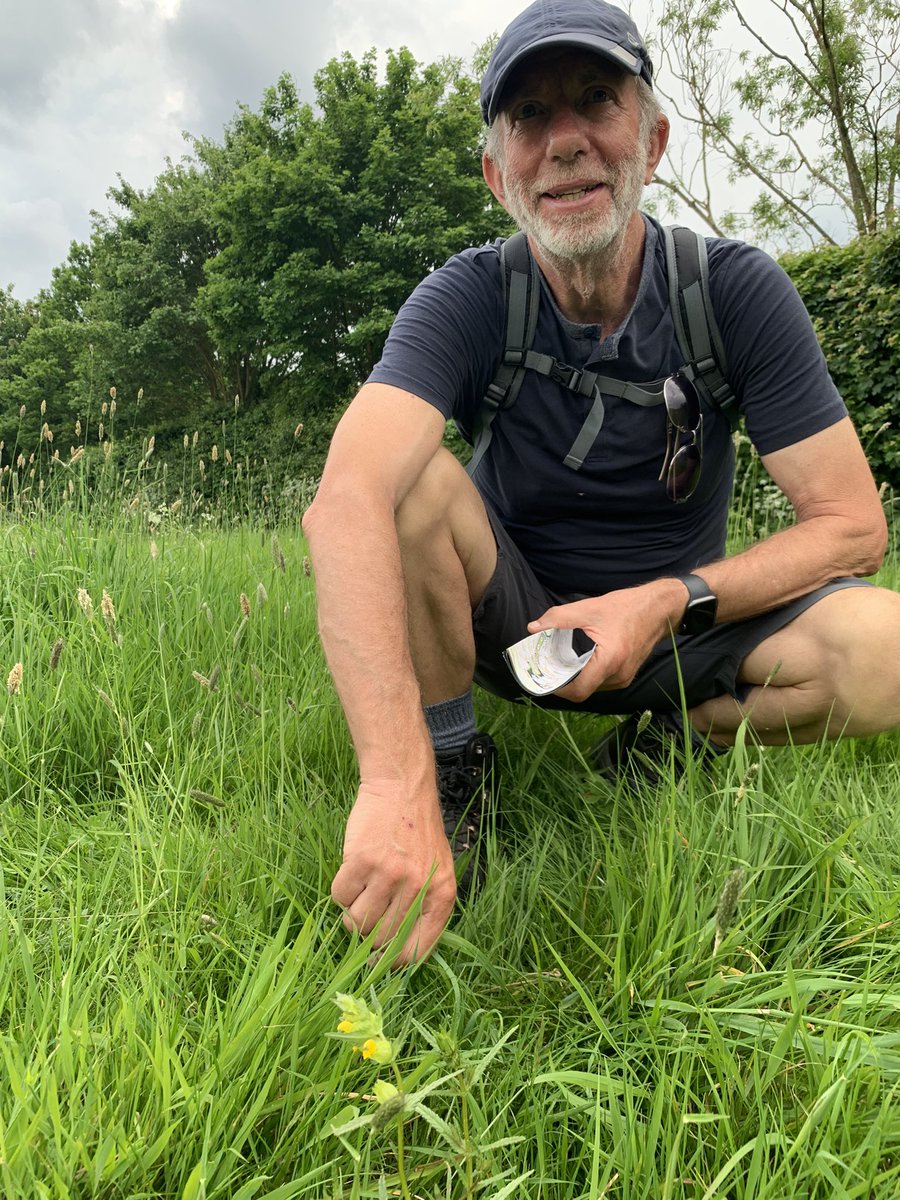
[424, 576]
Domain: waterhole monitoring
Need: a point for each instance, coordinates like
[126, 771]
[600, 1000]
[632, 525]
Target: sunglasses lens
[682, 403]
[684, 473]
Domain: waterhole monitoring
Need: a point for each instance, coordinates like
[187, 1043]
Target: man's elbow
[320, 515]
[872, 545]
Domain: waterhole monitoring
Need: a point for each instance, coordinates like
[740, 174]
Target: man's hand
[625, 625]
[391, 851]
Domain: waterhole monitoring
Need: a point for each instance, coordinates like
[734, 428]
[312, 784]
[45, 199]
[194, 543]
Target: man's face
[572, 161]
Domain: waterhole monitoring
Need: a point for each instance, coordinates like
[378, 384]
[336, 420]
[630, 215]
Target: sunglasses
[681, 466]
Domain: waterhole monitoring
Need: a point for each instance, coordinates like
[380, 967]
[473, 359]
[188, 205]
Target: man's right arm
[395, 841]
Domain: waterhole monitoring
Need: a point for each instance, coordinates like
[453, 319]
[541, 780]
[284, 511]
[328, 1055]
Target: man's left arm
[840, 529]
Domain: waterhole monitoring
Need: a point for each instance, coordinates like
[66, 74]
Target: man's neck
[601, 288]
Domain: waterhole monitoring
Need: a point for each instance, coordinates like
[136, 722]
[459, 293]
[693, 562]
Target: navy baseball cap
[593, 25]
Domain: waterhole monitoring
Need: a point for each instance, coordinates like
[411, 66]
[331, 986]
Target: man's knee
[429, 503]
[442, 519]
[843, 654]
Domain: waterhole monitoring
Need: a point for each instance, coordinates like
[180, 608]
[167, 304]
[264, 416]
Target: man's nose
[567, 135]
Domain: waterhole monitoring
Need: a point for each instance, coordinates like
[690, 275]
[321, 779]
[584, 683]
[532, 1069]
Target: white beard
[583, 234]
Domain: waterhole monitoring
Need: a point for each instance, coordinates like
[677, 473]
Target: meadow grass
[597, 1022]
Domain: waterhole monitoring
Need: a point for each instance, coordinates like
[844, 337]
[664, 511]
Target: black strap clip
[569, 377]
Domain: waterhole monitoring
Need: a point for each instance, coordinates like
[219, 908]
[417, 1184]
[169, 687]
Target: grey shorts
[704, 666]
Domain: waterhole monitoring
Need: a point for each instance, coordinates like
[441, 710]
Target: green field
[175, 778]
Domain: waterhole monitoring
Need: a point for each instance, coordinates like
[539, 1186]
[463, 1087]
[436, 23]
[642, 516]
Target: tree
[328, 220]
[47, 360]
[148, 263]
[819, 81]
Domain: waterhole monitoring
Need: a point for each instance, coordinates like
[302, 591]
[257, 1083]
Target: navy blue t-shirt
[611, 524]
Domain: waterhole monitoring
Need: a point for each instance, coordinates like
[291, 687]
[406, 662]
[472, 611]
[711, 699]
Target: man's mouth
[572, 193]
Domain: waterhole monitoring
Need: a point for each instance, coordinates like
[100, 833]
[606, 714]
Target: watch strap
[704, 614]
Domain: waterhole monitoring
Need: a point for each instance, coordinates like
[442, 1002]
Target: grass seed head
[389, 1108]
[277, 554]
[307, 565]
[56, 652]
[107, 608]
[214, 453]
[14, 679]
[262, 595]
[728, 905]
[112, 393]
[206, 798]
[245, 604]
[85, 602]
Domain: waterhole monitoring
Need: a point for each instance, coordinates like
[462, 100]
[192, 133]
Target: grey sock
[451, 722]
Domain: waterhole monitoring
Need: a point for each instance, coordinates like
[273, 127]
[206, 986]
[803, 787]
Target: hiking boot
[640, 748]
[467, 791]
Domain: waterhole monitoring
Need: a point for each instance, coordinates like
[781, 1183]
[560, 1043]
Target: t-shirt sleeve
[446, 340]
[775, 363]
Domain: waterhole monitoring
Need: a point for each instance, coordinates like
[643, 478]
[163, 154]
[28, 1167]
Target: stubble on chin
[581, 236]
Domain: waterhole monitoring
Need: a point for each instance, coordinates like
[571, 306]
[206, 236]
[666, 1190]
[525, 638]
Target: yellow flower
[379, 1049]
[361, 1022]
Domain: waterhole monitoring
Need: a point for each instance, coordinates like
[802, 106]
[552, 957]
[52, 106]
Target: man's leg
[835, 669]
[449, 555]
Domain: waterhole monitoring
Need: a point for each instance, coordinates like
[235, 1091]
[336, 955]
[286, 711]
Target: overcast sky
[92, 88]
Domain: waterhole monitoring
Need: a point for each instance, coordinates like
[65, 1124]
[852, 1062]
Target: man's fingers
[561, 616]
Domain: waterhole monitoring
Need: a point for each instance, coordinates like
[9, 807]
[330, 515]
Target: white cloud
[94, 88]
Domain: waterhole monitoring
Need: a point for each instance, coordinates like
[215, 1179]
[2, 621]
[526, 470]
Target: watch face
[700, 614]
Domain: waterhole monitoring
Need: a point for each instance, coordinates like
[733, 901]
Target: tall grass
[600, 1021]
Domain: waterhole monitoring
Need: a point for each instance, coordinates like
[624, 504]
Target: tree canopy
[797, 99]
[265, 269]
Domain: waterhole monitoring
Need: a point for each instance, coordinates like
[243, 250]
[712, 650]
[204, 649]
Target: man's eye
[598, 95]
[526, 110]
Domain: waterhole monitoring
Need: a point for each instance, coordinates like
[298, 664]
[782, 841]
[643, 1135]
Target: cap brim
[596, 45]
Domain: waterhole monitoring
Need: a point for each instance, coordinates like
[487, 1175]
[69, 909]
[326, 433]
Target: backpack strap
[522, 295]
[521, 299]
[695, 325]
[695, 329]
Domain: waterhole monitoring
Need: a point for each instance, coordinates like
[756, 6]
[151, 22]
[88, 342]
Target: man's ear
[493, 177]
[659, 139]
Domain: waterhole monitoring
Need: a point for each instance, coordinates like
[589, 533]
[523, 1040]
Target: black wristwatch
[700, 612]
